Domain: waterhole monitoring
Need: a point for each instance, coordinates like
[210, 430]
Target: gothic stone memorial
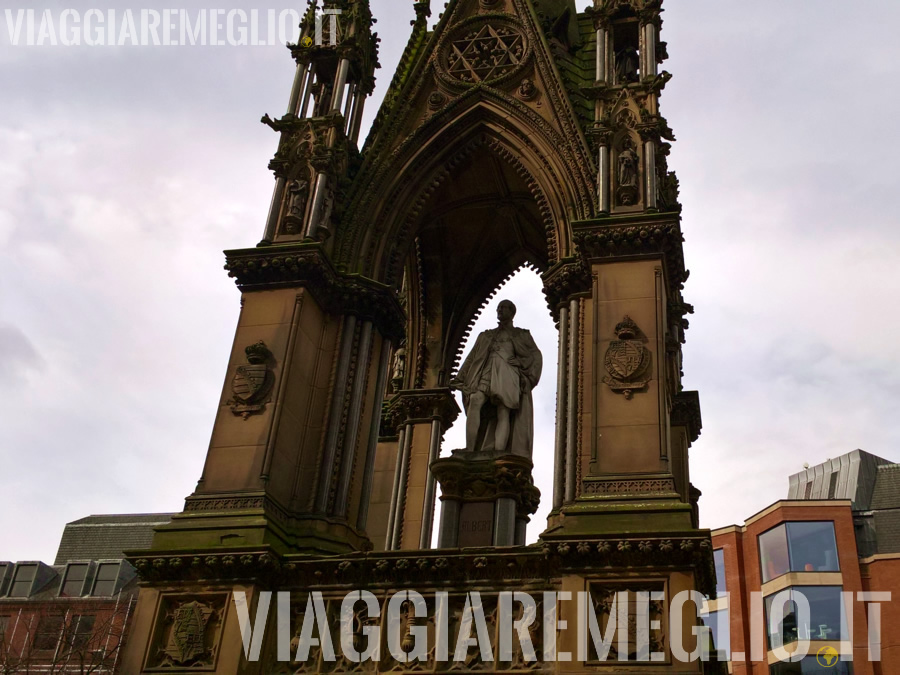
[515, 133]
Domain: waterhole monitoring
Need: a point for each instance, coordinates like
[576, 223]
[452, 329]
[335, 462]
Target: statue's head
[506, 310]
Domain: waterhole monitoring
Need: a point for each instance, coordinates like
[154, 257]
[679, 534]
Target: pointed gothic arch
[479, 184]
[389, 202]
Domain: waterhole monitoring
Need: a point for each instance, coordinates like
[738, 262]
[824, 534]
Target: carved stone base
[487, 499]
[181, 623]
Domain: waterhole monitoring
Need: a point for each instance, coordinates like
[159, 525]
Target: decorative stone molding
[621, 487]
[608, 238]
[238, 502]
[193, 505]
[548, 559]
[306, 265]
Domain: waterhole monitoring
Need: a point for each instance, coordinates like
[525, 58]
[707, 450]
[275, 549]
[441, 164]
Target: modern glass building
[803, 571]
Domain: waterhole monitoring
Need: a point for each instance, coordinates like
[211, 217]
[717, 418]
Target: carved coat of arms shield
[248, 381]
[627, 360]
[624, 358]
[187, 640]
[252, 382]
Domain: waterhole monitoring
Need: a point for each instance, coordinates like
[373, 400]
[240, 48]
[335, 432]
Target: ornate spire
[336, 56]
[629, 134]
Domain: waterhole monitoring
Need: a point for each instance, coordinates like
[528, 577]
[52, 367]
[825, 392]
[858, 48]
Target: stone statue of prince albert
[496, 380]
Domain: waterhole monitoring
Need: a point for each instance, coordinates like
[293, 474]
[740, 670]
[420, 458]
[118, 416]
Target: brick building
[837, 536]
[73, 616]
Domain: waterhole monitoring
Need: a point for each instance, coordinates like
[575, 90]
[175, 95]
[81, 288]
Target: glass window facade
[826, 616]
[773, 553]
[23, 581]
[798, 547]
[720, 631]
[719, 558]
[107, 576]
[811, 666]
[812, 547]
[73, 585]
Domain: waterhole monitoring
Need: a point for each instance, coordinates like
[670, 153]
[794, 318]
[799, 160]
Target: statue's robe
[510, 385]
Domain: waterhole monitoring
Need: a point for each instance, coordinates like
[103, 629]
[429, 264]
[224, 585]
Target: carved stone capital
[421, 405]
[306, 265]
[484, 477]
[599, 135]
[650, 12]
[599, 17]
[686, 413]
[565, 279]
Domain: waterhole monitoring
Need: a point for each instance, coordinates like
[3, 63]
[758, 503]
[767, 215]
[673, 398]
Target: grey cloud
[124, 172]
[19, 354]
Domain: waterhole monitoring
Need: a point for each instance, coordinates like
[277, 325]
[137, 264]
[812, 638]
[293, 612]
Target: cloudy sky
[124, 172]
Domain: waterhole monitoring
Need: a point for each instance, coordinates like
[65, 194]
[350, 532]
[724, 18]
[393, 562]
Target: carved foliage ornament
[252, 382]
[627, 360]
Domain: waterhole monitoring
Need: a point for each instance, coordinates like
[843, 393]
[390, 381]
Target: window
[825, 621]
[49, 629]
[719, 558]
[808, 493]
[832, 486]
[812, 547]
[107, 576]
[73, 584]
[4, 625]
[81, 630]
[720, 631]
[798, 547]
[773, 553]
[23, 581]
[809, 666]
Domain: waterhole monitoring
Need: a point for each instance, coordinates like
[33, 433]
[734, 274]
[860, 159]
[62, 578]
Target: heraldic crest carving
[187, 641]
[252, 383]
[627, 360]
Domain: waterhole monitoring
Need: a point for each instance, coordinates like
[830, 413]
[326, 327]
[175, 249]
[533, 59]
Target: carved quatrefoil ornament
[483, 50]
